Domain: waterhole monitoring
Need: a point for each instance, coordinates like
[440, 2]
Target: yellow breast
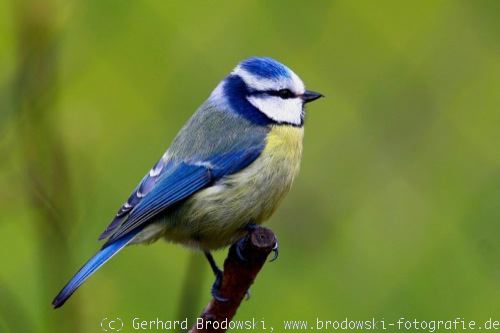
[286, 142]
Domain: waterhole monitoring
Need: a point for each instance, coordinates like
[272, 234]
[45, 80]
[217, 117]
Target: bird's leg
[218, 278]
[213, 264]
[248, 228]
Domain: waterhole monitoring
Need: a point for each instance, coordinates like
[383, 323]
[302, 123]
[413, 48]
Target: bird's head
[265, 91]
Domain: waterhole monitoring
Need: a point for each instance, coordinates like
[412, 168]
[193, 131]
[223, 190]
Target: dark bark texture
[238, 277]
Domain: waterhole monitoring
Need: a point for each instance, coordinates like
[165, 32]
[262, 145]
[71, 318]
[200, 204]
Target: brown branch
[238, 277]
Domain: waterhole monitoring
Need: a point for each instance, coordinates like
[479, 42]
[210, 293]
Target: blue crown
[265, 67]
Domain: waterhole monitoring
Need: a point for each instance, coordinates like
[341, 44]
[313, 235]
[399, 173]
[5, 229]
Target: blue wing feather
[179, 181]
[145, 186]
[91, 266]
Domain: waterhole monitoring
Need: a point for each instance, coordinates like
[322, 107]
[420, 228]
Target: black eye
[285, 93]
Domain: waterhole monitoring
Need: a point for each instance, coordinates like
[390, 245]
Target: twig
[238, 277]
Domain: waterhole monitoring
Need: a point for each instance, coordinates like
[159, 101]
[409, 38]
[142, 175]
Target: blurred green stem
[12, 313]
[193, 288]
[45, 174]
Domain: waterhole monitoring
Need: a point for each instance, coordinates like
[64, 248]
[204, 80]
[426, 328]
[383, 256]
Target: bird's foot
[275, 252]
[216, 287]
[215, 291]
[250, 227]
[239, 245]
[238, 248]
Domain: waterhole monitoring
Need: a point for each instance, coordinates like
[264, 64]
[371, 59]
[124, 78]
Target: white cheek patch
[281, 110]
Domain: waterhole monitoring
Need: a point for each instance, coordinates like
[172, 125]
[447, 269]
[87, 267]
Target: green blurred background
[395, 213]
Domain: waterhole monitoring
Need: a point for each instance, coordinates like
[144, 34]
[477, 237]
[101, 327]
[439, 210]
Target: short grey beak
[309, 96]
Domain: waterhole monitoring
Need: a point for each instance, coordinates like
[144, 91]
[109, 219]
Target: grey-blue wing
[211, 145]
[146, 184]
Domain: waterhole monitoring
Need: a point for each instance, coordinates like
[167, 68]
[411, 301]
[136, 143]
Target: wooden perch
[237, 279]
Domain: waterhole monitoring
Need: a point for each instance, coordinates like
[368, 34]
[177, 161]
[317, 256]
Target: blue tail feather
[91, 266]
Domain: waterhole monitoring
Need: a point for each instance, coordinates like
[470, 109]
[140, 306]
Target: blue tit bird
[228, 168]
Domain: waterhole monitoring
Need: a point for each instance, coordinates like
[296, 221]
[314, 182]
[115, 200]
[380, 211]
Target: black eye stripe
[282, 93]
[285, 93]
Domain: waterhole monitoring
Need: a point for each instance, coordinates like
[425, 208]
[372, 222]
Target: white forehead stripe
[287, 111]
[293, 83]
